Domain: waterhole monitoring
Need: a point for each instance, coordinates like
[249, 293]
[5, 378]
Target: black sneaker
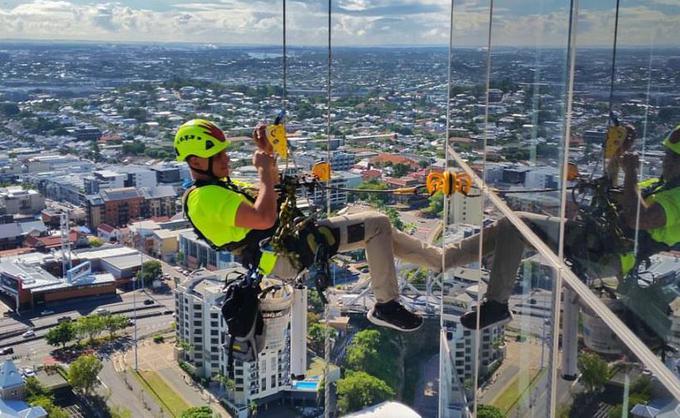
[393, 315]
[491, 313]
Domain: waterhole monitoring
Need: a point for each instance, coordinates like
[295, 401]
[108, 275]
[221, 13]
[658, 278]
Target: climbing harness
[241, 312]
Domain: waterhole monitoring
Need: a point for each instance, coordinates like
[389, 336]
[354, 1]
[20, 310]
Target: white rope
[327, 338]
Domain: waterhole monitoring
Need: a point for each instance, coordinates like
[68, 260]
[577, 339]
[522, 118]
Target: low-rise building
[104, 179]
[16, 200]
[11, 236]
[29, 284]
[197, 253]
[165, 244]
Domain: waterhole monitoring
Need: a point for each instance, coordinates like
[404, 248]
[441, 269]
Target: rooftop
[123, 193]
[10, 376]
[36, 279]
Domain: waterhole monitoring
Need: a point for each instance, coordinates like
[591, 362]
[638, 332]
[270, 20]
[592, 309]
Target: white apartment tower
[201, 327]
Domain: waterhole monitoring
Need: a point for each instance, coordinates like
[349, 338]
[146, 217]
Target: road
[124, 390]
[12, 328]
[537, 403]
[35, 351]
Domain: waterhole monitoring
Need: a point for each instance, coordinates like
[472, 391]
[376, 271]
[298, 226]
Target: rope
[284, 94]
[612, 77]
[327, 338]
[477, 332]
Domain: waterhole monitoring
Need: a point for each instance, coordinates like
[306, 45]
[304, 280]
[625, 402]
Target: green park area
[167, 397]
[518, 387]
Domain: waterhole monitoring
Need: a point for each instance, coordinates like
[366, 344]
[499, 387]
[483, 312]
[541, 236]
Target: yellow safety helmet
[672, 141]
[199, 137]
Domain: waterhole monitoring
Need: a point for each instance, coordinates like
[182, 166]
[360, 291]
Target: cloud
[362, 22]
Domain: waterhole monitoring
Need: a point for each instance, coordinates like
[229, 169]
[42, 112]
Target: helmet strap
[209, 171]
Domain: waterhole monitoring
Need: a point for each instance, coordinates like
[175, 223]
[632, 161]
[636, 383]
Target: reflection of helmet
[672, 141]
[199, 137]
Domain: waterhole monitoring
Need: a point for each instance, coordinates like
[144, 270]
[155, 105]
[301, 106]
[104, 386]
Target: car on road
[148, 301]
[46, 312]
[28, 372]
[178, 268]
[28, 334]
[64, 318]
[6, 350]
[102, 311]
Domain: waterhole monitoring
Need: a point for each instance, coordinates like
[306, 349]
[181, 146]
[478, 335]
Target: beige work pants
[382, 243]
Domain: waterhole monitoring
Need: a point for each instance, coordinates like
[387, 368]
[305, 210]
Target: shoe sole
[379, 322]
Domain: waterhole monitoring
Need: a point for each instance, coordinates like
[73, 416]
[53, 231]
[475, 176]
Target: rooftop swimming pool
[306, 385]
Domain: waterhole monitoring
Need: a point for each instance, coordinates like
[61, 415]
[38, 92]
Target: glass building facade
[594, 301]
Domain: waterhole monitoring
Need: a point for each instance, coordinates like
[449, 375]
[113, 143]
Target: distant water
[264, 55]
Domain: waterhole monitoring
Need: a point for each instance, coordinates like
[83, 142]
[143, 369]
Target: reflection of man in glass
[657, 223]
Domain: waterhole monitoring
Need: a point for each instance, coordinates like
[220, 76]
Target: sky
[539, 23]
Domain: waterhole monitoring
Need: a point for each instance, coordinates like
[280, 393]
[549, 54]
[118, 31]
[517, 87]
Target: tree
[61, 334]
[395, 219]
[35, 389]
[417, 277]
[317, 334]
[359, 389]
[95, 151]
[134, 148]
[314, 301]
[373, 352]
[48, 405]
[436, 206]
[82, 374]
[95, 242]
[90, 325]
[595, 371]
[138, 113]
[198, 412]
[489, 411]
[226, 382]
[113, 323]
[151, 270]
[400, 170]
[252, 408]
[374, 197]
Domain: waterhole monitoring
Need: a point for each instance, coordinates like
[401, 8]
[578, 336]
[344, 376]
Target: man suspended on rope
[227, 217]
[657, 224]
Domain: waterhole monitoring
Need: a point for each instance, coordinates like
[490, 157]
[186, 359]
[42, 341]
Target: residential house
[12, 394]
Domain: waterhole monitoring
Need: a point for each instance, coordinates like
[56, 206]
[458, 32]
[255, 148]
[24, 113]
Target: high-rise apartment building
[201, 327]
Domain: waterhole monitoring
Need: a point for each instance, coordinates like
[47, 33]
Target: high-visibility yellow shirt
[213, 209]
[669, 234]
[669, 200]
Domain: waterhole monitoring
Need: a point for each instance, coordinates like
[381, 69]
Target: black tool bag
[245, 325]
